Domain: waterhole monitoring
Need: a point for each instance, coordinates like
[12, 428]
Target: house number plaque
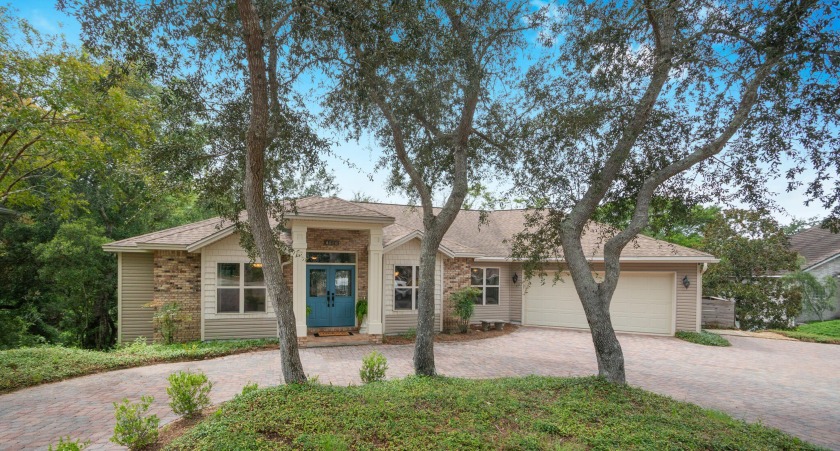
[331, 242]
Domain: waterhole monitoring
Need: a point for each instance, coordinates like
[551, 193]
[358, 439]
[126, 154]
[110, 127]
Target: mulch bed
[170, 432]
[474, 333]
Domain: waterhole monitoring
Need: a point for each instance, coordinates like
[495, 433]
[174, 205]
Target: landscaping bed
[25, 367]
[817, 332]
[473, 333]
[702, 338]
[445, 413]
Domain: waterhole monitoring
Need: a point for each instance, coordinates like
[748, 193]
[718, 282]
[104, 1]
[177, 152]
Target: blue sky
[43, 15]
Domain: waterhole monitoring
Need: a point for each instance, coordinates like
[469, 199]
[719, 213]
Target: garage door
[643, 302]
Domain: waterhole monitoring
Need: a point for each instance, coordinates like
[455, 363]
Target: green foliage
[818, 296]
[752, 247]
[463, 305]
[84, 280]
[189, 393]
[69, 445]
[134, 429]
[825, 328]
[448, 413]
[817, 332]
[702, 338]
[167, 318]
[374, 366]
[410, 334]
[25, 367]
[249, 388]
[361, 309]
[672, 220]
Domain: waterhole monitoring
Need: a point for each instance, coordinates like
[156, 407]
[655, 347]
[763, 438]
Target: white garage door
[643, 302]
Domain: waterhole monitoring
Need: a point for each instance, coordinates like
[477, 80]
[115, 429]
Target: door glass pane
[342, 283]
[492, 295]
[492, 276]
[227, 300]
[330, 257]
[228, 275]
[254, 275]
[477, 276]
[255, 299]
[317, 282]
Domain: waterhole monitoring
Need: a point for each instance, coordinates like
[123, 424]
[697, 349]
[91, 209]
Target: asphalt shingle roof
[816, 245]
[467, 236]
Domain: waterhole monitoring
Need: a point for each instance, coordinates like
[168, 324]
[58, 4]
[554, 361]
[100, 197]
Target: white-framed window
[406, 283]
[486, 280]
[240, 288]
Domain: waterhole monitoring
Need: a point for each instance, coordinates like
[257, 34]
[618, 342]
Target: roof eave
[342, 218]
[679, 259]
[210, 239]
[133, 249]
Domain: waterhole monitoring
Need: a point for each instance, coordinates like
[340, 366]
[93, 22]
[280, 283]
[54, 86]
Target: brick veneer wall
[177, 278]
[348, 241]
[456, 275]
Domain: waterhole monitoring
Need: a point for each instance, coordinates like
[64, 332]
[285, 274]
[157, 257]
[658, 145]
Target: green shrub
[250, 387]
[188, 392]
[373, 368]
[69, 445]
[410, 334]
[167, 318]
[361, 309]
[134, 429]
[463, 303]
[702, 338]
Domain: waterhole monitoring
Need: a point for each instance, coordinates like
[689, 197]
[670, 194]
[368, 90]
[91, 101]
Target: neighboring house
[821, 250]
[345, 251]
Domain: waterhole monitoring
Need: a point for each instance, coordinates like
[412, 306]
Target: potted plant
[463, 303]
[361, 314]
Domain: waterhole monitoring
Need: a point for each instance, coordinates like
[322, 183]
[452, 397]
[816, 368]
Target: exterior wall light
[515, 278]
[686, 282]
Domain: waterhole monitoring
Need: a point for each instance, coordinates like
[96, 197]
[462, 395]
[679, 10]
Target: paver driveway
[789, 385]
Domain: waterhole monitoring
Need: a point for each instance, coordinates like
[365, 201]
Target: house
[344, 251]
[821, 250]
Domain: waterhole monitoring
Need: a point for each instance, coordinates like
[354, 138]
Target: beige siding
[229, 325]
[136, 290]
[232, 328]
[514, 293]
[501, 312]
[397, 321]
[397, 324]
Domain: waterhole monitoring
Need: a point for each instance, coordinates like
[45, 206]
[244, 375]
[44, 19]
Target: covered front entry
[643, 302]
[330, 297]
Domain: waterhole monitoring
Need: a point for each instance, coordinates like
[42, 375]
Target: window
[330, 257]
[486, 280]
[406, 281]
[240, 288]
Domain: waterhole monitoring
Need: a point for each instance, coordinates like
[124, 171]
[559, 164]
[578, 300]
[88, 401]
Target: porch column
[299, 277]
[375, 282]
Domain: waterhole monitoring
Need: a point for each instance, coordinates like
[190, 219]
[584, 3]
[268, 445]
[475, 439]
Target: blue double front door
[330, 296]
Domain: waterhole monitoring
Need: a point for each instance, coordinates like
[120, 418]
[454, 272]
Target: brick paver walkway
[789, 385]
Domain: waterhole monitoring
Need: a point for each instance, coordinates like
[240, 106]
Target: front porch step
[346, 340]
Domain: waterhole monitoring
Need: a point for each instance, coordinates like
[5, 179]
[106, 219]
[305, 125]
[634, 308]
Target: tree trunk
[607, 348]
[254, 191]
[424, 346]
[596, 298]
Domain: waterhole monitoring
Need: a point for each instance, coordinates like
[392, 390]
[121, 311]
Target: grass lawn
[26, 367]
[818, 332]
[443, 413]
[703, 338]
